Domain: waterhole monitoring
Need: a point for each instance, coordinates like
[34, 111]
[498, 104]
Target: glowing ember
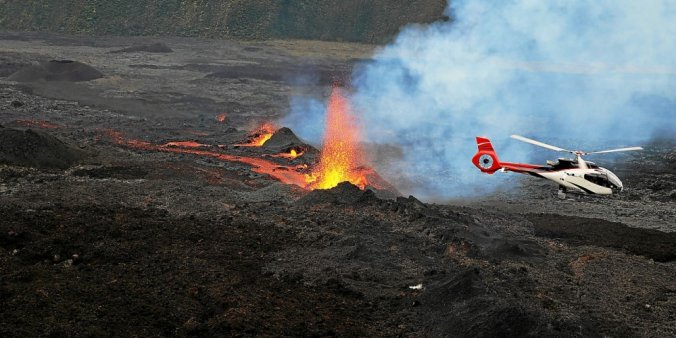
[261, 135]
[220, 118]
[293, 154]
[37, 124]
[341, 154]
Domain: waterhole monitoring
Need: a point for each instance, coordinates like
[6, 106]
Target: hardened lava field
[144, 193]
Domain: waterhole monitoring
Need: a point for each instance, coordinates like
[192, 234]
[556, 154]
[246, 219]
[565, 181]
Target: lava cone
[32, 148]
[57, 70]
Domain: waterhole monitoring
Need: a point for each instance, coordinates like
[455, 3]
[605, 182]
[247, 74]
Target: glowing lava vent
[292, 154]
[260, 136]
[341, 155]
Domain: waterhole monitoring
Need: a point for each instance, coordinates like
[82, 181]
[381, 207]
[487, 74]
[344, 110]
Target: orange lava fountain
[341, 154]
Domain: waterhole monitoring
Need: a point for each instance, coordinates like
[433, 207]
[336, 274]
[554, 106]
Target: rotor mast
[580, 162]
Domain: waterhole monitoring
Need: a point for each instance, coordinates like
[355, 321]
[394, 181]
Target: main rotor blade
[614, 150]
[538, 143]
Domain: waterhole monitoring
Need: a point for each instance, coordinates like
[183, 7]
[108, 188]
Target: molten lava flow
[341, 154]
[288, 175]
[184, 144]
[260, 136]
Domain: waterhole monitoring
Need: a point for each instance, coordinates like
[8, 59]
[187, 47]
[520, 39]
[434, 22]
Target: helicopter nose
[614, 179]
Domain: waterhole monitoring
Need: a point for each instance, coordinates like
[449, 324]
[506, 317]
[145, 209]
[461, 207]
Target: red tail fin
[486, 159]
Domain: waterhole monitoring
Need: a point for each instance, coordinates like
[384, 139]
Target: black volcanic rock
[57, 70]
[37, 149]
[157, 47]
[343, 193]
[458, 287]
[654, 244]
[283, 137]
[10, 63]
[284, 140]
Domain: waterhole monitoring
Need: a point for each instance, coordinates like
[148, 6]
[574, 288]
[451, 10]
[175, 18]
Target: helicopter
[576, 175]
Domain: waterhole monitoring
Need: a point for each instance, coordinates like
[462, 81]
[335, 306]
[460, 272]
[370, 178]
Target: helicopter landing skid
[561, 194]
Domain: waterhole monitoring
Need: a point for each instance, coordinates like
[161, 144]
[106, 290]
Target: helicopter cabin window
[564, 163]
[598, 179]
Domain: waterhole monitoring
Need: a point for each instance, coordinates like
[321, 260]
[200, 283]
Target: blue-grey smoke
[593, 73]
[307, 118]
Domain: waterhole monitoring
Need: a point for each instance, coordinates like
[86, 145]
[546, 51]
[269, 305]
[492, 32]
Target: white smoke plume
[593, 73]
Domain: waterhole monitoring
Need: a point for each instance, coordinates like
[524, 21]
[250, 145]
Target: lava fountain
[341, 155]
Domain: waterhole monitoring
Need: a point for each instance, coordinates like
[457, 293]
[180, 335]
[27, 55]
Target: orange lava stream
[341, 154]
[184, 144]
[287, 175]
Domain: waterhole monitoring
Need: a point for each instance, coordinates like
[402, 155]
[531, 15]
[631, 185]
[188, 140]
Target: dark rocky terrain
[136, 240]
[373, 21]
[157, 47]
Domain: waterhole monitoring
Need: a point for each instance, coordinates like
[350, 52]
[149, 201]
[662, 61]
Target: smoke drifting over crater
[595, 73]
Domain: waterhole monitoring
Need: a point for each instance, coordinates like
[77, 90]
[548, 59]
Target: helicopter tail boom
[486, 159]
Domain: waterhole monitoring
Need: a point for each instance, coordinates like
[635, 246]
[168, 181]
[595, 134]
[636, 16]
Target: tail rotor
[486, 159]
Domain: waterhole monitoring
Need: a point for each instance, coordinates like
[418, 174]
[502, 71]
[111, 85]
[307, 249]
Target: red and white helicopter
[575, 174]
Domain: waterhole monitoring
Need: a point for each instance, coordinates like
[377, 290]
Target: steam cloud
[598, 73]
